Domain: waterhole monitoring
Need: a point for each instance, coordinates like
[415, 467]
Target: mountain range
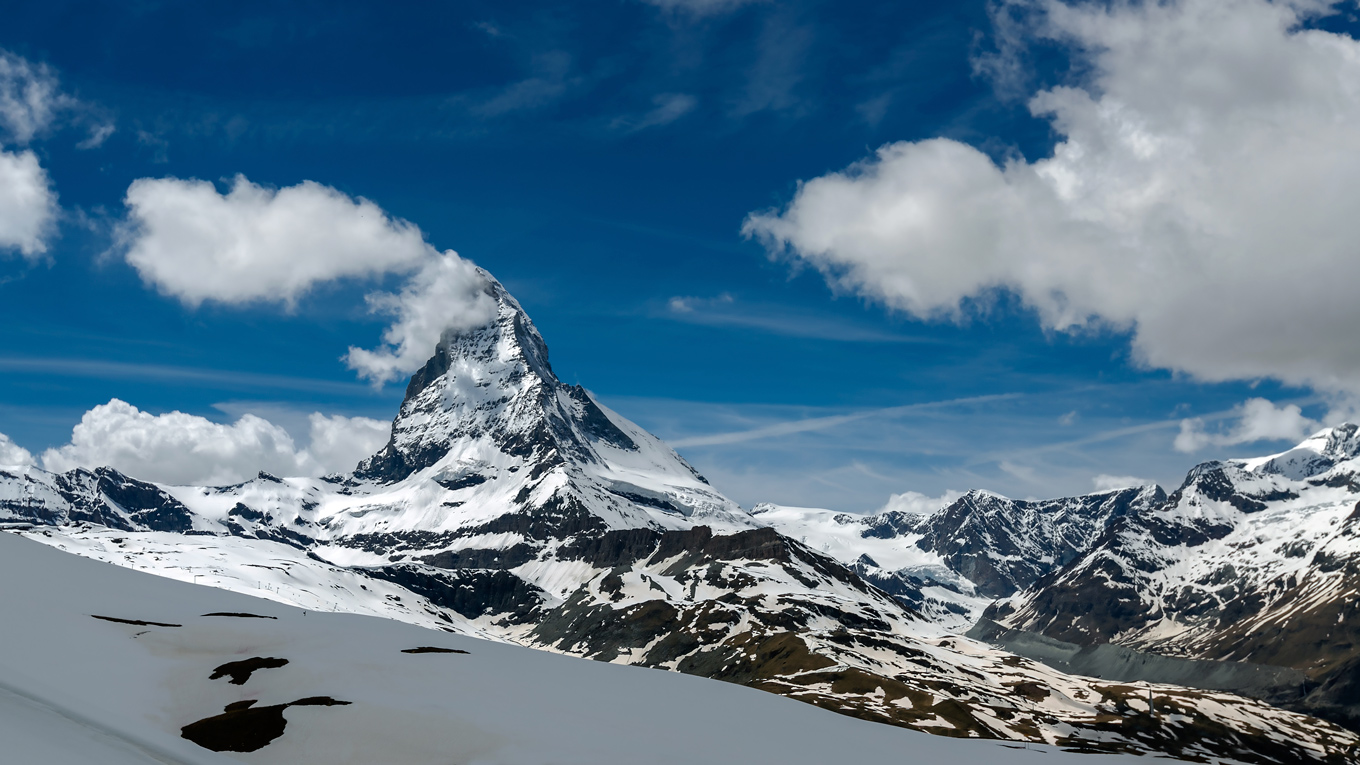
[511, 507]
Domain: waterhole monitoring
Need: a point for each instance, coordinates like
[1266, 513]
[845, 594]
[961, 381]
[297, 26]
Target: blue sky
[600, 159]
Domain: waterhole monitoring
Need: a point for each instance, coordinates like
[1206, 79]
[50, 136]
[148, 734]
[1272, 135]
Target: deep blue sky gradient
[593, 225]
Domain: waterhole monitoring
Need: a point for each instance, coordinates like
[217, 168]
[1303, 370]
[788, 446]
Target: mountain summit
[487, 414]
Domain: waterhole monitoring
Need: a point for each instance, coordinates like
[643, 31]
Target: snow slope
[77, 689]
[755, 609]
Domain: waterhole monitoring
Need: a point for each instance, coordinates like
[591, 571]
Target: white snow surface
[75, 689]
[842, 536]
[256, 567]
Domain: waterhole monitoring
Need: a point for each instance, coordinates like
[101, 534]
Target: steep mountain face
[514, 507]
[1004, 545]
[951, 564]
[1248, 561]
[103, 496]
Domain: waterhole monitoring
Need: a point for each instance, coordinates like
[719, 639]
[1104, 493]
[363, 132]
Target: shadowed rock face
[102, 496]
[1004, 545]
[1277, 685]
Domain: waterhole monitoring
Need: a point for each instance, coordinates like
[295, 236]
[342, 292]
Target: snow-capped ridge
[1316, 454]
[1253, 560]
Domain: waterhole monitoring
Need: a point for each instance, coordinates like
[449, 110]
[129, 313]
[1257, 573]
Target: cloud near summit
[1201, 195]
[255, 244]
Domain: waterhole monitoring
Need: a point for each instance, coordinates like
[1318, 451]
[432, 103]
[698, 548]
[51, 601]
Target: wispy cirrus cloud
[667, 108]
[774, 78]
[194, 376]
[811, 424]
[552, 77]
[726, 311]
[700, 8]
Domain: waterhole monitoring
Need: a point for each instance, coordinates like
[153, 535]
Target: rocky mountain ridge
[1252, 560]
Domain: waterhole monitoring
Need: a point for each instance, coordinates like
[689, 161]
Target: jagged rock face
[491, 382]
[763, 610]
[1004, 545]
[1249, 560]
[951, 564]
[103, 496]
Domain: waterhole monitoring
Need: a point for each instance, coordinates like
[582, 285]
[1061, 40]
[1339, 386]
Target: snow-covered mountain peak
[1315, 455]
[486, 417]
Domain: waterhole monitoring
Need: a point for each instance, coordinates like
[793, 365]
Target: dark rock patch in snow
[431, 649]
[240, 615]
[462, 482]
[240, 671]
[511, 557]
[470, 592]
[242, 510]
[244, 727]
[134, 622]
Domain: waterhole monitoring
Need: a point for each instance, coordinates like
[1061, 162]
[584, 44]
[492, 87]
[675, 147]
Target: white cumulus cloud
[179, 448]
[30, 97]
[30, 101]
[1201, 195]
[28, 205]
[339, 443]
[12, 454]
[918, 503]
[447, 294]
[1256, 420]
[1104, 482]
[258, 244]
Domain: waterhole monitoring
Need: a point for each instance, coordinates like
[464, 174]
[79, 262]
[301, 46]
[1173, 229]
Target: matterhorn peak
[487, 411]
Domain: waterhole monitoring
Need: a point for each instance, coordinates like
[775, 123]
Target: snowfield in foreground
[105, 664]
